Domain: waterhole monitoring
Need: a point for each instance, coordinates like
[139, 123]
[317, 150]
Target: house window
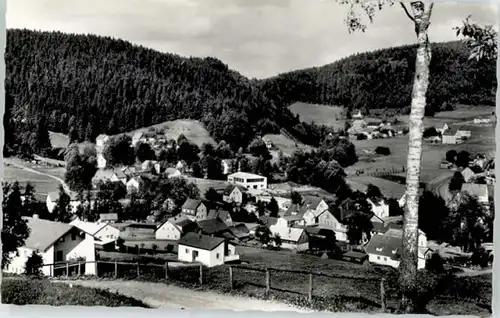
[59, 256]
[378, 257]
[385, 259]
[195, 253]
[187, 250]
[62, 239]
[73, 236]
[217, 256]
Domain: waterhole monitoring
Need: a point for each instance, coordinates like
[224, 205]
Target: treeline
[102, 85]
[384, 79]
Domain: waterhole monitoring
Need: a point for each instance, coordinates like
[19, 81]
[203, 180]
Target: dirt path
[20, 166]
[167, 296]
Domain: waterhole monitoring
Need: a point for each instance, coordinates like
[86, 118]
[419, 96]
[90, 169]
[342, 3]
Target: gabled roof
[89, 227]
[295, 208]
[221, 214]
[171, 171]
[287, 233]
[201, 241]
[230, 188]
[384, 245]
[212, 226]
[191, 204]
[450, 132]
[103, 174]
[268, 221]
[44, 233]
[120, 174]
[312, 202]
[291, 218]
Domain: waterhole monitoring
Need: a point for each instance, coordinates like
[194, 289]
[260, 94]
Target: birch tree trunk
[409, 261]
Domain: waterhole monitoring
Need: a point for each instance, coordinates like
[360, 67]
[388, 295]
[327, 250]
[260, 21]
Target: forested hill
[384, 79]
[102, 85]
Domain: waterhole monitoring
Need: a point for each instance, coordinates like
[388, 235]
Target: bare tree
[419, 13]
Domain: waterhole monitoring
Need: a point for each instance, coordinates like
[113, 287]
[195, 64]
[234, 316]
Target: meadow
[331, 116]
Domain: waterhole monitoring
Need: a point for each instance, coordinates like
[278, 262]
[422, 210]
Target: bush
[361, 137]
[385, 151]
[435, 264]
[43, 292]
[34, 265]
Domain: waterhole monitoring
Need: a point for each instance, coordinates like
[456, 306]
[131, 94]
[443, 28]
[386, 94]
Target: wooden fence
[198, 274]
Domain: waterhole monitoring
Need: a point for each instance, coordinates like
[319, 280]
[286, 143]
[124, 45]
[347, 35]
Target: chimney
[35, 216]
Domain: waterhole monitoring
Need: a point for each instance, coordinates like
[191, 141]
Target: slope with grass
[24, 291]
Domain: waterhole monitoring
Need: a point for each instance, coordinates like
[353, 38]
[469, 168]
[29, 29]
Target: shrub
[34, 265]
[385, 151]
[435, 264]
[361, 137]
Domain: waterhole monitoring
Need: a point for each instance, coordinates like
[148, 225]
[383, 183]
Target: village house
[55, 242]
[451, 137]
[195, 210]
[215, 227]
[468, 174]
[182, 166]
[207, 250]
[175, 228]
[53, 198]
[136, 231]
[108, 218]
[103, 232]
[357, 127]
[223, 215]
[290, 221]
[442, 130]
[173, 173]
[479, 191]
[283, 203]
[445, 165]
[374, 125]
[135, 184]
[148, 165]
[314, 207]
[254, 183]
[240, 231]
[292, 238]
[326, 220]
[357, 115]
[101, 140]
[268, 221]
[386, 250]
[234, 194]
[463, 133]
[379, 207]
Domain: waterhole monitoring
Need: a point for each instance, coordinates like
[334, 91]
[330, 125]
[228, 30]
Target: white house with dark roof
[468, 174]
[173, 173]
[233, 194]
[292, 238]
[174, 228]
[379, 207]
[207, 250]
[55, 242]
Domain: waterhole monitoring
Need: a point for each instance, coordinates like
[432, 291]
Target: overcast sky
[259, 38]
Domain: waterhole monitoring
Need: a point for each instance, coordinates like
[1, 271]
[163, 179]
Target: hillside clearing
[319, 114]
[284, 143]
[193, 130]
[58, 140]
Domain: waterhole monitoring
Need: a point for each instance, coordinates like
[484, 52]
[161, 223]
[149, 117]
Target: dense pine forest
[85, 85]
[384, 79]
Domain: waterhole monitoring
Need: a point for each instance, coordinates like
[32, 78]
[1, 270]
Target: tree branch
[407, 12]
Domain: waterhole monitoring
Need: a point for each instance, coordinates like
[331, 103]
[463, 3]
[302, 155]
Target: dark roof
[353, 254]
[383, 245]
[295, 208]
[201, 241]
[314, 230]
[212, 226]
[191, 204]
[268, 221]
[44, 233]
[221, 214]
[229, 189]
[312, 202]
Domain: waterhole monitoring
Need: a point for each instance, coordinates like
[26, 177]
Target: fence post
[201, 274]
[382, 294]
[268, 282]
[310, 294]
[138, 270]
[67, 269]
[231, 277]
[79, 269]
[166, 270]
[116, 269]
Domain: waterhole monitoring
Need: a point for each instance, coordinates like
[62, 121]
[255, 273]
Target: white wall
[207, 258]
[382, 260]
[168, 232]
[295, 247]
[107, 233]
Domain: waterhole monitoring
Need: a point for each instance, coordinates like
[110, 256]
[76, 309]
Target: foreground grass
[24, 291]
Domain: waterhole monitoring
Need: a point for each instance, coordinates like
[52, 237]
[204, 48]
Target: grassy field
[43, 184]
[58, 140]
[192, 129]
[285, 144]
[320, 114]
[23, 291]
[205, 184]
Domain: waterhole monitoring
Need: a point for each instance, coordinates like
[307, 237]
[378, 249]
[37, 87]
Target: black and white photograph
[298, 156]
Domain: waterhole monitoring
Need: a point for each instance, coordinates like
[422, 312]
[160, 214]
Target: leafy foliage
[81, 168]
[118, 151]
[456, 182]
[34, 265]
[14, 229]
[482, 40]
